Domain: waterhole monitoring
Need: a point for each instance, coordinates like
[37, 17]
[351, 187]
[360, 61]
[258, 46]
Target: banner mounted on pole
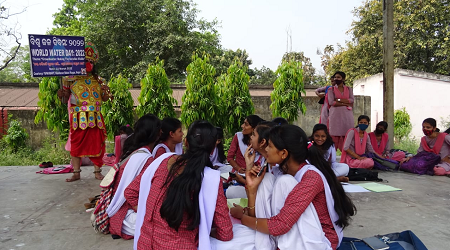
[56, 55]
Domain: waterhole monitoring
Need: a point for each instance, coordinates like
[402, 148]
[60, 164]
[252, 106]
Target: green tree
[288, 88]
[236, 102]
[224, 60]
[402, 124]
[308, 70]
[156, 94]
[9, 35]
[131, 34]
[16, 136]
[263, 76]
[200, 99]
[119, 111]
[421, 39]
[19, 69]
[325, 57]
[51, 110]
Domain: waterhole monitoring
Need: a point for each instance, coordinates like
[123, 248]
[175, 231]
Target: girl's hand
[237, 211]
[251, 180]
[249, 156]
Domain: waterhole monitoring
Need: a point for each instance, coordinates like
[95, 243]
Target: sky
[258, 26]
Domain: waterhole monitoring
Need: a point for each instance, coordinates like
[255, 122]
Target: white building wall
[422, 94]
[372, 86]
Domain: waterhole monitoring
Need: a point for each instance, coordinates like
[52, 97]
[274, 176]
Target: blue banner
[56, 55]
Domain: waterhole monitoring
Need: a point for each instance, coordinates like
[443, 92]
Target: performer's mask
[89, 66]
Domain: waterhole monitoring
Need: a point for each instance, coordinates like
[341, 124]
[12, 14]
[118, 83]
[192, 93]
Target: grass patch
[51, 150]
[408, 144]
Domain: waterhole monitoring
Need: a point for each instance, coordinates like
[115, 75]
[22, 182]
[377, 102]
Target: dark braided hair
[183, 188]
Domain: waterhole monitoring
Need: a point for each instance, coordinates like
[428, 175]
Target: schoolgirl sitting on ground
[433, 145]
[322, 139]
[312, 196]
[181, 197]
[136, 158]
[235, 157]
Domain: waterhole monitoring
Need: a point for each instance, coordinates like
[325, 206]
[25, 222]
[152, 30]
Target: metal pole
[388, 67]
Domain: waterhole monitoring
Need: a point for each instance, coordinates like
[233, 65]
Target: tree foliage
[325, 57]
[421, 39]
[234, 94]
[308, 70]
[131, 34]
[10, 36]
[19, 69]
[119, 111]
[227, 57]
[16, 136]
[200, 99]
[288, 88]
[51, 110]
[156, 94]
[263, 76]
[402, 124]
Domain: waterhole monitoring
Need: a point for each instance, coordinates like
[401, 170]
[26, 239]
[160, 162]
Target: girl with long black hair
[307, 196]
[246, 238]
[183, 197]
[136, 158]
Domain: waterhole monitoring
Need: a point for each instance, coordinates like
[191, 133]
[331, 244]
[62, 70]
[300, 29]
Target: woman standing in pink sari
[340, 118]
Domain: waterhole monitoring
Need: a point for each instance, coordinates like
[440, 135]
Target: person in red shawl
[87, 128]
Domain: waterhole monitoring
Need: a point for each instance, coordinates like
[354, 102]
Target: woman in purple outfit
[433, 143]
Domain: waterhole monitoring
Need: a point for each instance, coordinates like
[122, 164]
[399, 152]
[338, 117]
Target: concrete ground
[44, 212]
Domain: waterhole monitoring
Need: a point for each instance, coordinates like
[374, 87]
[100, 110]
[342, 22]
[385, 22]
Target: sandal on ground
[46, 164]
[95, 198]
[89, 205]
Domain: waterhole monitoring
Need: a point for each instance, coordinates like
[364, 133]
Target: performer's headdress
[91, 52]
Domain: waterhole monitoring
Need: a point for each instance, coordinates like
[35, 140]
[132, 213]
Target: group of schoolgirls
[177, 201]
[371, 150]
[291, 202]
[150, 137]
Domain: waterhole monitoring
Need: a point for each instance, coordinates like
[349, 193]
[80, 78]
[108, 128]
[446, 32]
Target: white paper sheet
[350, 188]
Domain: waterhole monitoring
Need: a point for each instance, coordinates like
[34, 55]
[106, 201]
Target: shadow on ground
[44, 212]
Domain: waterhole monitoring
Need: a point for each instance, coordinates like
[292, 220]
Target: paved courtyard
[44, 212]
